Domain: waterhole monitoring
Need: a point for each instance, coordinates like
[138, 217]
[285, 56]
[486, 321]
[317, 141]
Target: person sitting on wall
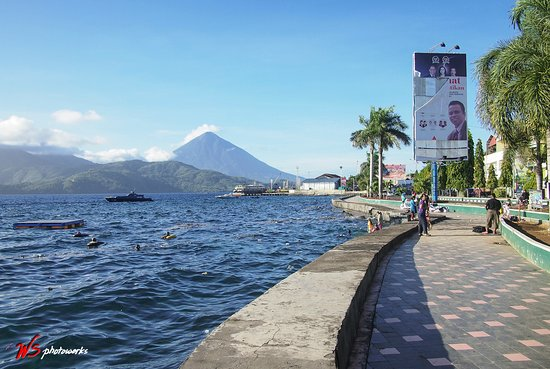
[524, 198]
[506, 209]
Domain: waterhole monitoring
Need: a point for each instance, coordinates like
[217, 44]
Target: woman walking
[422, 212]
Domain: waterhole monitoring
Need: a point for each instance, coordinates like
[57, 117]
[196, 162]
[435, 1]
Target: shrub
[500, 192]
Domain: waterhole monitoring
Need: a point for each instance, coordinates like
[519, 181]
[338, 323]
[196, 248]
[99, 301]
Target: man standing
[457, 115]
[493, 207]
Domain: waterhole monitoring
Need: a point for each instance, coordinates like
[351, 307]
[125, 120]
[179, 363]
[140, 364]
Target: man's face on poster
[456, 114]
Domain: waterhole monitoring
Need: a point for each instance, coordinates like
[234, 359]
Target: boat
[248, 190]
[232, 195]
[131, 197]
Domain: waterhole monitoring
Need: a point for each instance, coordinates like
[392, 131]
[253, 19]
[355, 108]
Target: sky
[285, 80]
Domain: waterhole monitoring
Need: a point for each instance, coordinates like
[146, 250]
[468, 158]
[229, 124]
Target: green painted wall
[536, 252]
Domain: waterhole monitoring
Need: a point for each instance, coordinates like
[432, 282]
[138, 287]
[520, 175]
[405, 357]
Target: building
[325, 182]
[494, 154]
[395, 173]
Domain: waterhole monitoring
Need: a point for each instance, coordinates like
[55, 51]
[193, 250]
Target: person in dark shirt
[493, 207]
[422, 213]
[524, 198]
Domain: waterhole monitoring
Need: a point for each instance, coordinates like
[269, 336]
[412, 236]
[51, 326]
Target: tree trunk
[380, 174]
[371, 174]
[547, 163]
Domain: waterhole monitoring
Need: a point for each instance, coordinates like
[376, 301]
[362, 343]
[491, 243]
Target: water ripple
[147, 308]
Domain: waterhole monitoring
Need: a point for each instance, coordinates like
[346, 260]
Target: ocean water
[124, 308]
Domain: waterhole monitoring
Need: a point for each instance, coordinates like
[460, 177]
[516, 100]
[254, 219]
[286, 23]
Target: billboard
[395, 172]
[439, 107]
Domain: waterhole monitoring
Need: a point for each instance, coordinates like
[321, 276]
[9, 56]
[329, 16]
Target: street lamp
[441, 44]
[456, 47]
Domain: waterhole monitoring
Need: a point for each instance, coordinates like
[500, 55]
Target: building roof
[328, 175]
[321, 180]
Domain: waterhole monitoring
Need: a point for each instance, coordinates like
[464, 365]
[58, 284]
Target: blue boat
[131, 197]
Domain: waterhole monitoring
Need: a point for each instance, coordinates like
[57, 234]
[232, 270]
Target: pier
[457, 299]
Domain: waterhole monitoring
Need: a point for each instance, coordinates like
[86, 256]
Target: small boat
[131, 197]
[78, 234]
[168, 236]
[233, 195]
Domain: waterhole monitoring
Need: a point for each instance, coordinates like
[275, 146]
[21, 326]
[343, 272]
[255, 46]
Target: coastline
[309, 319]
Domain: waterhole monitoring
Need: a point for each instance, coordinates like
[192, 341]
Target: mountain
[18, 166]
[166, 176]
[21, 172]
[209, 151]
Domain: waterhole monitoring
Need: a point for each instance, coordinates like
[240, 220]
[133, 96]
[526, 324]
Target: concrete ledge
[308, 320]
[534, 251]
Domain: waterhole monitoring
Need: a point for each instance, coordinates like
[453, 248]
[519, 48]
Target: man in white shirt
[457, 115]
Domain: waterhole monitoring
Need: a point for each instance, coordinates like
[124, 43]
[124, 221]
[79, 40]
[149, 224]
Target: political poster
[440, 108]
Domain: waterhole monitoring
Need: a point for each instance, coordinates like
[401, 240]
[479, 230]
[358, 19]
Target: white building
[494, 154]
[326, 182]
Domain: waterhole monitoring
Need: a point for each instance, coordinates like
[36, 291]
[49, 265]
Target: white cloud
[111, 155]
[17, 131]
[199, 131]
[156, 154]
[70, 116]
[22, 131]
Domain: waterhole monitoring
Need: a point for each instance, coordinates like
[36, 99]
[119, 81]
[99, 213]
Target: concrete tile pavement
[460, 299]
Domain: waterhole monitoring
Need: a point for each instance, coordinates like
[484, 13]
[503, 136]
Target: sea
[63, 305]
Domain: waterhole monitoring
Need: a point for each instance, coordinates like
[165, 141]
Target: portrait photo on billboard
[443, 117]
[439, 65]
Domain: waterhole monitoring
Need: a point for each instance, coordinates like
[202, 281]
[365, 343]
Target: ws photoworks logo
[33, 349]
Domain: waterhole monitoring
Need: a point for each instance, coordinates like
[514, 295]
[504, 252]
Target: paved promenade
[459, 299]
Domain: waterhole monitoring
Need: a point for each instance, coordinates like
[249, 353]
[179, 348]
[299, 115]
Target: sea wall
[534, 251]
[308, 320]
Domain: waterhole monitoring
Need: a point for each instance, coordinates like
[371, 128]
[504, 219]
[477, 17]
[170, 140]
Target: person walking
[422, 213]
[412, 205]
[493, 207]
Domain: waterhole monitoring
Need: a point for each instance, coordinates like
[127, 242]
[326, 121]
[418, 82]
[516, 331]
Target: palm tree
[364, 138]
[514, 80]
[389, 132]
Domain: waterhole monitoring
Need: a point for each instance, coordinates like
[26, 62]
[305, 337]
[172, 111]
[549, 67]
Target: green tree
[442, 177]
[514, 81]
[479, 166]
[423, 180]
[492, 181]
[390, 132]
[469, 167]
[506, 171]
[366, 137]
[460, 175]
[530, 181]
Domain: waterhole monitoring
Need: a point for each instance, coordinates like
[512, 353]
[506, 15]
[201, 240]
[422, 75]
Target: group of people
[441, 72]
[370, 224]
[419, 205]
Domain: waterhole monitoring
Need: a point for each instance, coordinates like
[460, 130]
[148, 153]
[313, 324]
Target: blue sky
[285, 80]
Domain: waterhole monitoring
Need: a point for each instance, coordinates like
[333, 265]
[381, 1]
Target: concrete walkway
[459, 299]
